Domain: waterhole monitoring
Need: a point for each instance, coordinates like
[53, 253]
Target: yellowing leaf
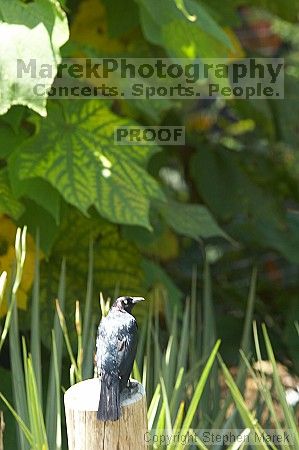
[90, 28]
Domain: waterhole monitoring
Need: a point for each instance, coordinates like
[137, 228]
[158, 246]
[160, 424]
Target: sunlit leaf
[28, 30]
[75, 151]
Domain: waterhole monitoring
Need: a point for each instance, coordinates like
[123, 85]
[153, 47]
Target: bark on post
[1, 430]
[85, 432]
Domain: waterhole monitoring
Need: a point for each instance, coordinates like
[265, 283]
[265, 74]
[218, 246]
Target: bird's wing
[127, 346]
[106, 347]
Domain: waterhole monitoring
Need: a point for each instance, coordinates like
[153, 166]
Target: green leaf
[153, 407]
[227, 188]
[40, 191]
[194, 221]
[8, 204]
[53, 426]
[19, 420]
[34, 31]
[10, 435]
[9, 139]
[185, 29]
[14, 117]
[37, 218]
[198, 393]
[154, 273]
[122, 16]
[74, 150]
[117, 262]
[186, 40]
[290, 419]
[117, 266]
[247, 417]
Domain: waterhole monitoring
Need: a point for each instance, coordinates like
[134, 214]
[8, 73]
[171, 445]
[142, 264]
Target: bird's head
[126, 303]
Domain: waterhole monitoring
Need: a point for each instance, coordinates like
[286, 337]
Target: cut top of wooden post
[85, 432]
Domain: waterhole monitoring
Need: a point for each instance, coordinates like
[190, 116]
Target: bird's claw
[132, 387]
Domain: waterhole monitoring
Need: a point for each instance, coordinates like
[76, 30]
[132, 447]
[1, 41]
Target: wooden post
[85, 432]
[1, 430]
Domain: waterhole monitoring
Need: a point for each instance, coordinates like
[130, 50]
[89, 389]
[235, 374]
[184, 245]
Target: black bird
[116, 350]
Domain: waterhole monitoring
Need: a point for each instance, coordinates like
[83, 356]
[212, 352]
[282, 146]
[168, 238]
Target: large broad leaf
[185, 29]
[28, 31]
[226, 187]
[9, 139]
[8, 204]
[75, 151]
[121, 16]
[117, 265]
[116, 260]
[194, 221]
[267, 233]
[38, 219]
[155, 275]
[40, 192]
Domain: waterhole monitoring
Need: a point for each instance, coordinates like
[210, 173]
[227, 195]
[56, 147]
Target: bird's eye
[125, 301]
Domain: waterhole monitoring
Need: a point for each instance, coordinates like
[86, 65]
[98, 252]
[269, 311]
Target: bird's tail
[109, 403]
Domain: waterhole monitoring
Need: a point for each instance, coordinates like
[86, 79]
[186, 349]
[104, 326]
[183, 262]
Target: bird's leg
[132, 387]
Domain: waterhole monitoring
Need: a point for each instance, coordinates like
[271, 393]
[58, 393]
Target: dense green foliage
[152, 216]
[238, 166]
[182, 380]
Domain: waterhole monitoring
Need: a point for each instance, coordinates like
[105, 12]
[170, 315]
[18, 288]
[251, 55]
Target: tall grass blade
[20, 252]
[155, 371]
[20, 422]
[171, 355]
[146, 380]
[57, 390]
[246, 336]
[209, 329]
[51, 421]
[35, 321]
[176, 392]
[4, 331]
[153, 407]
[193, 310]
[78, 325]
[211, 396]
[166, 405]
[288, 412]
[198, 442]
[88, 314]
[18, 384]
[141, 345]
[248, 419]
[245, 346]
[35, 412]
[88, 351]
[3, 279]
[184, 341]
[136, 373]
[198, 393]
[239, 444]
[160, 426]
[263, 389]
